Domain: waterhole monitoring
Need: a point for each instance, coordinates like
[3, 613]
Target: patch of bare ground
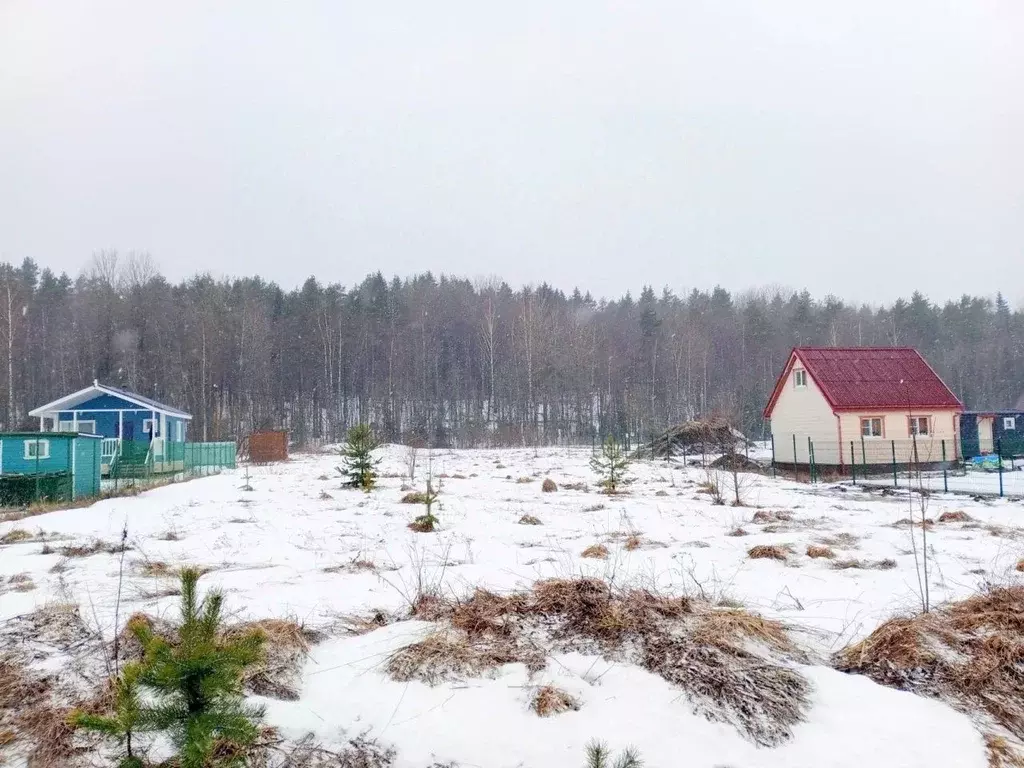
[768, 552]
[549, 700]
[59, 625]
[596, 551]
[959, 516]
[529, 520]
[818, 550]
[734, 666]
[307, 752]
[969, 654]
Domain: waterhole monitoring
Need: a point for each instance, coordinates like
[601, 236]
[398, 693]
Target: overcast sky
[860, 148]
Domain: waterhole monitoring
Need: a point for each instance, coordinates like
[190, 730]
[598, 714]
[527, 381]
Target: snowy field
[973, 482]
[298, 546]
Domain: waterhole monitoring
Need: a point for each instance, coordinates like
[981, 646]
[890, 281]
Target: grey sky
[861, 148]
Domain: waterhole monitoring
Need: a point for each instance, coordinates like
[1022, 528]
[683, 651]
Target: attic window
[1009, 422]
[799, 378]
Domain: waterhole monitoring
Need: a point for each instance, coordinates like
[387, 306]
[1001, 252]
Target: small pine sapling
[610, 465]
[192, 684]
[360, 467]
[599, 756]
[427, 522]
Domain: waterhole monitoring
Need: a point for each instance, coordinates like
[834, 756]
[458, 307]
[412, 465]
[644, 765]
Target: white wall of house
[803, 411]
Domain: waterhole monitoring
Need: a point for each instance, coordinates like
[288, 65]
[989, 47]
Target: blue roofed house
[136, 430]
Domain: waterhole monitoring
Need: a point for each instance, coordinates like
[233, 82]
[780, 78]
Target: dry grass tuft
[278, 675]
[819, 550]
[95, 547]
[731, 663]
[959, 516]
[524, 480]
[763, 516]
[737, 532]
[840, 541]
[906, 522]
[549, 485]
[19, 582]
[577, 486]
[30, 721]
[767, 552]
[633, 542]
[447, 655]
[1001, 754]
[593, 508]
[529, 520]
[15, 535]
[848, 564]
[970, 654]
[597, 551]
[416, 497]
[1020, 565]
[549, 700]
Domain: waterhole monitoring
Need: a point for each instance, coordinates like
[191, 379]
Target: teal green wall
[13, 461]
[87, 467]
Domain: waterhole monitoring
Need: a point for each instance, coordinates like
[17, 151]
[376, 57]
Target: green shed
[48, 466]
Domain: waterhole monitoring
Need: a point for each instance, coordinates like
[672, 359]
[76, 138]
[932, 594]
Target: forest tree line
[449, 361]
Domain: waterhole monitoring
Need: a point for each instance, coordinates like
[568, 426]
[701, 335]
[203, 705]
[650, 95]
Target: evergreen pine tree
[611, 465]
[599, 756]
[194, 686]
[360, 468]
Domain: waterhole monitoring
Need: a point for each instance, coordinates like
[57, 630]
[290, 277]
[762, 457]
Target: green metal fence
[925, 464]
[205, 458]
[23, 490]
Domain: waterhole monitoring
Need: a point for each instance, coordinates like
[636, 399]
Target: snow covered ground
[298, 546]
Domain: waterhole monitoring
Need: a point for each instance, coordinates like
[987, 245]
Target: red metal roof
[870, 377]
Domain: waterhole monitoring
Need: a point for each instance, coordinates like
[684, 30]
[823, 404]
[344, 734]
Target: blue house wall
[12, 455]
[104, 410]
[1011, 441]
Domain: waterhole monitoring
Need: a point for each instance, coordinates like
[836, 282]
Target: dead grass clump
[97, 546]
[15, 535]
[594, 508]
[598, 551]
[549, 485]
[1020, 565]
[30, 721]
[278, 675]
[448, 655]
[577, 486]
[848, 564]
[529, 520]
[416, 497]
[906, 522]
[423, 524]
[19, 582]
[169, 536]
[633, 542]
[1001, 754]
[767, 551]
[157, 568]
[884, 565]
[970, 654]
[763, 516]
[661, 492]
[524, 480]
[840, 541]
[549, 700]
[737, 532]
[817, 550]
[959, 516]
[722, 627]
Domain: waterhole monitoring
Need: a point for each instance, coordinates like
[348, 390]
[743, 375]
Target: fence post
[795, 473]
[773, 457]
[863, 453]
[945, 475]
[895, 478]
[853, 463]
[999, 458]
[810, 457]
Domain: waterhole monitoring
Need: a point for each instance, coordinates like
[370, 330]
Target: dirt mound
[734, 666]
[970, 654]
[736, 461]
[690, 437]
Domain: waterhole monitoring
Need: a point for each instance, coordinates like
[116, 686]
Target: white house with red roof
[834, 404]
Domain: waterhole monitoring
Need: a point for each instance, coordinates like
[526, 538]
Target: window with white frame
[150, 426]
[87, 426]
[37, 449]
[1009, 422]
[180, 430]
[871, 426]
[65, 426]
[799, 378]
[919, 425]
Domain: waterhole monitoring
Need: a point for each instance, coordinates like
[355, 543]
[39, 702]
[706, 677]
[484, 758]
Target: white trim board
[82, 395]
